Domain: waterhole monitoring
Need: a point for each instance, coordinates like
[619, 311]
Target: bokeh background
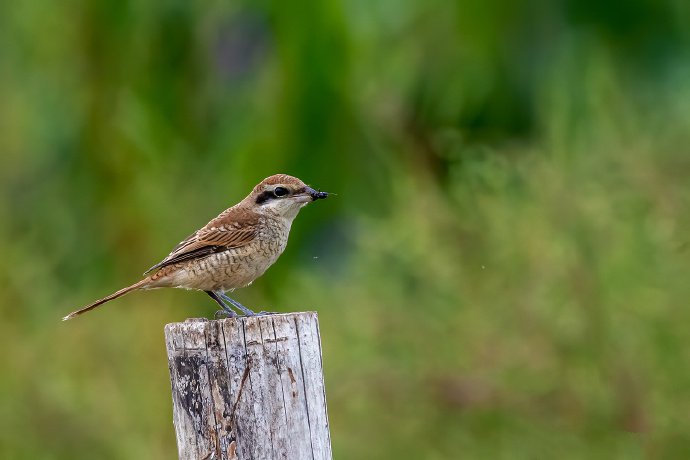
[502, 275]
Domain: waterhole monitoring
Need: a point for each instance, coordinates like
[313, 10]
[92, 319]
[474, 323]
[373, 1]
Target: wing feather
[210, 240]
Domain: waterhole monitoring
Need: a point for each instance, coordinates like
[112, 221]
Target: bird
[233, 249]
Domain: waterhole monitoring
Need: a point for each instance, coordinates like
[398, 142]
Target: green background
[503, 274]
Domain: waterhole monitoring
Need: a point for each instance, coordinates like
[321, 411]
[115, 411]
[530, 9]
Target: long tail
[112, 296]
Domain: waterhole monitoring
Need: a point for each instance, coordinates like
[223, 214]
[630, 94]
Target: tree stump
[249, 388]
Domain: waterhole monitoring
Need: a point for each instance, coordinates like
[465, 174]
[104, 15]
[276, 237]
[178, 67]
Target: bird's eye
[281, 191]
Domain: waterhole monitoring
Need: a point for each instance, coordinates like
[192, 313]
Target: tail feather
[112, 296]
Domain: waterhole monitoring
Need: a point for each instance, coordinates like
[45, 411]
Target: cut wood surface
[249, 388]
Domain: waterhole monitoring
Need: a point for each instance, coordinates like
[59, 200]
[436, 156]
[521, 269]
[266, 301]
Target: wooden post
[249, 388]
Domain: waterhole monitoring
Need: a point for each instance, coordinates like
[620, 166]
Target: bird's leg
[226, 310]
[244, 309]
[239, 306]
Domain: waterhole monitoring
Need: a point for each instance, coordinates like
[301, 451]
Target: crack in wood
[245, 375]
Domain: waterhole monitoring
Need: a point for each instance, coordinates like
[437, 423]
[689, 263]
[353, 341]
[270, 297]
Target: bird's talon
[260, 313]
[222, 314]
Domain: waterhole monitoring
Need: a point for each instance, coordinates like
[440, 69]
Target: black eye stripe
[278, 192]
[264, 197]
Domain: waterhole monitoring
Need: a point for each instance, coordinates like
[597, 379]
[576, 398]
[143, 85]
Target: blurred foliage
[503, 274]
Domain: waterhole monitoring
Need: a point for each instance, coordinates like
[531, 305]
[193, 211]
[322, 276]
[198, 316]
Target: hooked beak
[309, 195]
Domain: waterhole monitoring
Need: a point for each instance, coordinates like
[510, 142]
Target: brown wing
[209, 240]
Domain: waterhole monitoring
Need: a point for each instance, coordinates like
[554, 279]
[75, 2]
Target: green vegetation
[504, 273]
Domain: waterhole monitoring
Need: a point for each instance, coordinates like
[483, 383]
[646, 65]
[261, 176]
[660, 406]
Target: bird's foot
[222, 314]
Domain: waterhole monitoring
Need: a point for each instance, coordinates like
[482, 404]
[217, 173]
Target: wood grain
[249, 388]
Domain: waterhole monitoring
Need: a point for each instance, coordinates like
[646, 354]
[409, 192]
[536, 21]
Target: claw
[222, 314]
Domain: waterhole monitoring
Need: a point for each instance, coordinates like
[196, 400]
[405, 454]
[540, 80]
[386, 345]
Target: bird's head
[283, 195]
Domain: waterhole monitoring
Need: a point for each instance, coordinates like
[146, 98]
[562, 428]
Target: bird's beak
[309, 195]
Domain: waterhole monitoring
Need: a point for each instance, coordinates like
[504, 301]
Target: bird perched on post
[232, 250]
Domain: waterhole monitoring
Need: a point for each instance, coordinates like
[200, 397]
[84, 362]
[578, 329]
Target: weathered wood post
[249, 388]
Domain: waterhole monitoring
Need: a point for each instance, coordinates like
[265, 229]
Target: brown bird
[233, 249]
